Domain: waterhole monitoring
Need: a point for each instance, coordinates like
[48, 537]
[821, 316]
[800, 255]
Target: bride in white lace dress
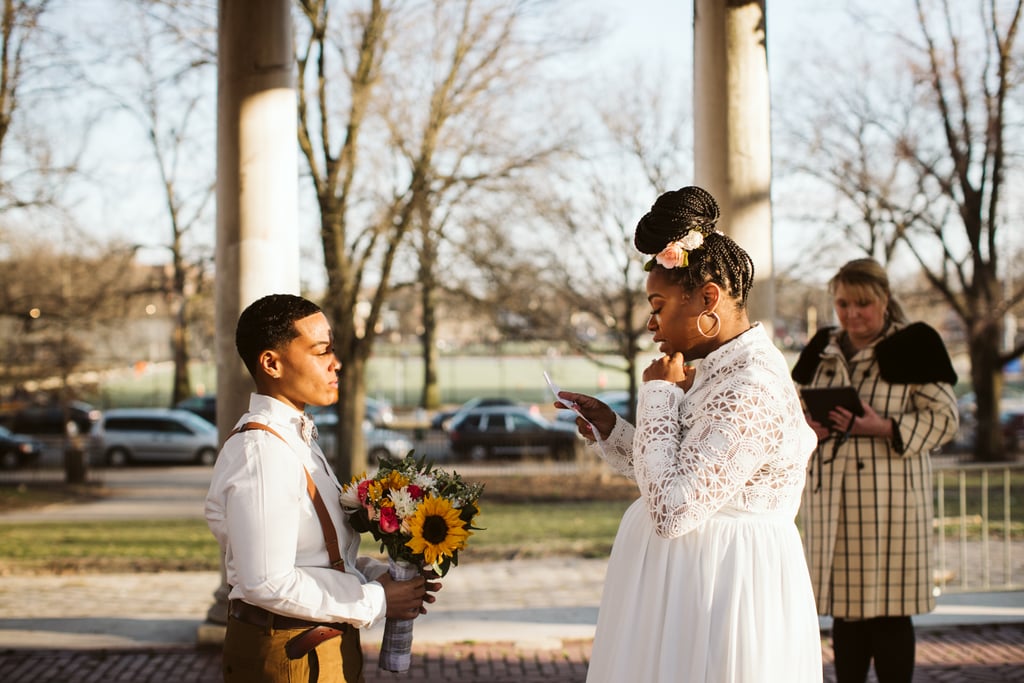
[707, 579]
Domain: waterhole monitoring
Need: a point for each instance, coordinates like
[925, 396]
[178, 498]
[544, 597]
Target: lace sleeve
[696, 453]
[617, 449]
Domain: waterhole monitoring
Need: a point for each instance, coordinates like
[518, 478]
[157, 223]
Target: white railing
[975, 548]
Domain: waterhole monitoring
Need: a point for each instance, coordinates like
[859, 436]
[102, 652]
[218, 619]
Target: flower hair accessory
[676, 254]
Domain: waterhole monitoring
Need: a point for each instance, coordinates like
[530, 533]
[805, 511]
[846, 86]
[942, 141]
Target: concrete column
[732, 131]
[257, 188]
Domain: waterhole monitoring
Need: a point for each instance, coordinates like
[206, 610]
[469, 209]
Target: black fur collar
[912, 355]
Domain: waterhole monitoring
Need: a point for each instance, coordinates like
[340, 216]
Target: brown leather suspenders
[330, 533]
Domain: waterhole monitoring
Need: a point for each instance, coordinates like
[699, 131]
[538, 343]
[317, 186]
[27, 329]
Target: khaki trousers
[255, 654]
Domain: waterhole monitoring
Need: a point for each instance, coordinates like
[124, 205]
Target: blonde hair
[866, 278]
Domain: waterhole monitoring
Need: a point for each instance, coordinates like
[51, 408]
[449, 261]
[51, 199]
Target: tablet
[821, 401]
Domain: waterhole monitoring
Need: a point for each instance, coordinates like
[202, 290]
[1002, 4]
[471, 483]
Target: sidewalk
[522, 621]
[532, 604]
[535, 604]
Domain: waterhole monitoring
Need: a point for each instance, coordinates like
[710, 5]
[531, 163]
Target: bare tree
[55, 295]
[592, 268]
[338, 72]
[488, 75]
[432, 123]
[34, 74]
[927, 170]
[36, 83]
[504, 278]
[55, 298]
[165, 85]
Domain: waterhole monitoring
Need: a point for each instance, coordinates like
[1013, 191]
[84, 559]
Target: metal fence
[979, 541]
[979, 516]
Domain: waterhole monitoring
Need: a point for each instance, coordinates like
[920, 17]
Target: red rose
[388, 520]
[415, 491]
[361, 490]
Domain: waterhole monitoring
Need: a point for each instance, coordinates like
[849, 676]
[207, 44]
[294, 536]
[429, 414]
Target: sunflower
[437, 531]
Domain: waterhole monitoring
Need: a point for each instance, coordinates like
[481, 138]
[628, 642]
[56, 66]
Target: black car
[51, 420]
[17, 450]
[443, 418]
[203, 406]
[481, 433]
[49, 426]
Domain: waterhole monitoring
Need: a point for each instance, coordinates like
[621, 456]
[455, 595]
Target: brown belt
[299, 646]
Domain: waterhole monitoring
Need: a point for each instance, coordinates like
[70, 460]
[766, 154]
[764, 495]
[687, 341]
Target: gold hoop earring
[715, 327]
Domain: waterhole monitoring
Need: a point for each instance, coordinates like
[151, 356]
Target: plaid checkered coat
[867, 514]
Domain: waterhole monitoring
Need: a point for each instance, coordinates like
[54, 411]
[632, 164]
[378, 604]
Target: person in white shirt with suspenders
[299, 593]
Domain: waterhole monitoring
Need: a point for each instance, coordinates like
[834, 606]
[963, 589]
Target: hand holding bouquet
[422, 518]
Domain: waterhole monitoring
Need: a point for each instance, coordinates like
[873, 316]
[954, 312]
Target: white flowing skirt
[729, 602]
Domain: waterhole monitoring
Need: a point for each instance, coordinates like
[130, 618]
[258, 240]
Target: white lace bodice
[737, 439]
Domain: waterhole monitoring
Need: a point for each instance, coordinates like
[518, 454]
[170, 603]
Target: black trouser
[888, 640]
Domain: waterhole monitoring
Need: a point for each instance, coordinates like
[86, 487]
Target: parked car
[48, 426]
[386, 444]
[380, 443]
[378, 412]
[17, 450]
[203, 406]
[51, 420]
[130, 435]
[482, 433]
[443, 418]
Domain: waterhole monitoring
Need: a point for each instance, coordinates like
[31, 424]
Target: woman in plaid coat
[867, 505]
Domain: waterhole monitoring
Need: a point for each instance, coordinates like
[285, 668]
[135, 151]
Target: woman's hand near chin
[671, 368]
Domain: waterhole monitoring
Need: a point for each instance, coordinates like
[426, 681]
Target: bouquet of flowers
[422, 518]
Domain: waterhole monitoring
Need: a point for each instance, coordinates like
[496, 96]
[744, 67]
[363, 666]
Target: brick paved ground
[961, 655]
[957, 655]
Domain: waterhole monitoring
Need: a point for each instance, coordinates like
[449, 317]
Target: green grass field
[521, 516]
[513, 530]
[171, 545]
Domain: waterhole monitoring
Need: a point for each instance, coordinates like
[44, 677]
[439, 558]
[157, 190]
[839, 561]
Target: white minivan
[128, 435]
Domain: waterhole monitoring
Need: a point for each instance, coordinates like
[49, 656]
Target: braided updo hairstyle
[719, 259]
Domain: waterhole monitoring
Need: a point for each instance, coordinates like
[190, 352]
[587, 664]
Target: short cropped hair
[269, 324]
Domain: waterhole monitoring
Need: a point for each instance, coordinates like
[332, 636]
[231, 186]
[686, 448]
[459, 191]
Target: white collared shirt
[259, 510]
